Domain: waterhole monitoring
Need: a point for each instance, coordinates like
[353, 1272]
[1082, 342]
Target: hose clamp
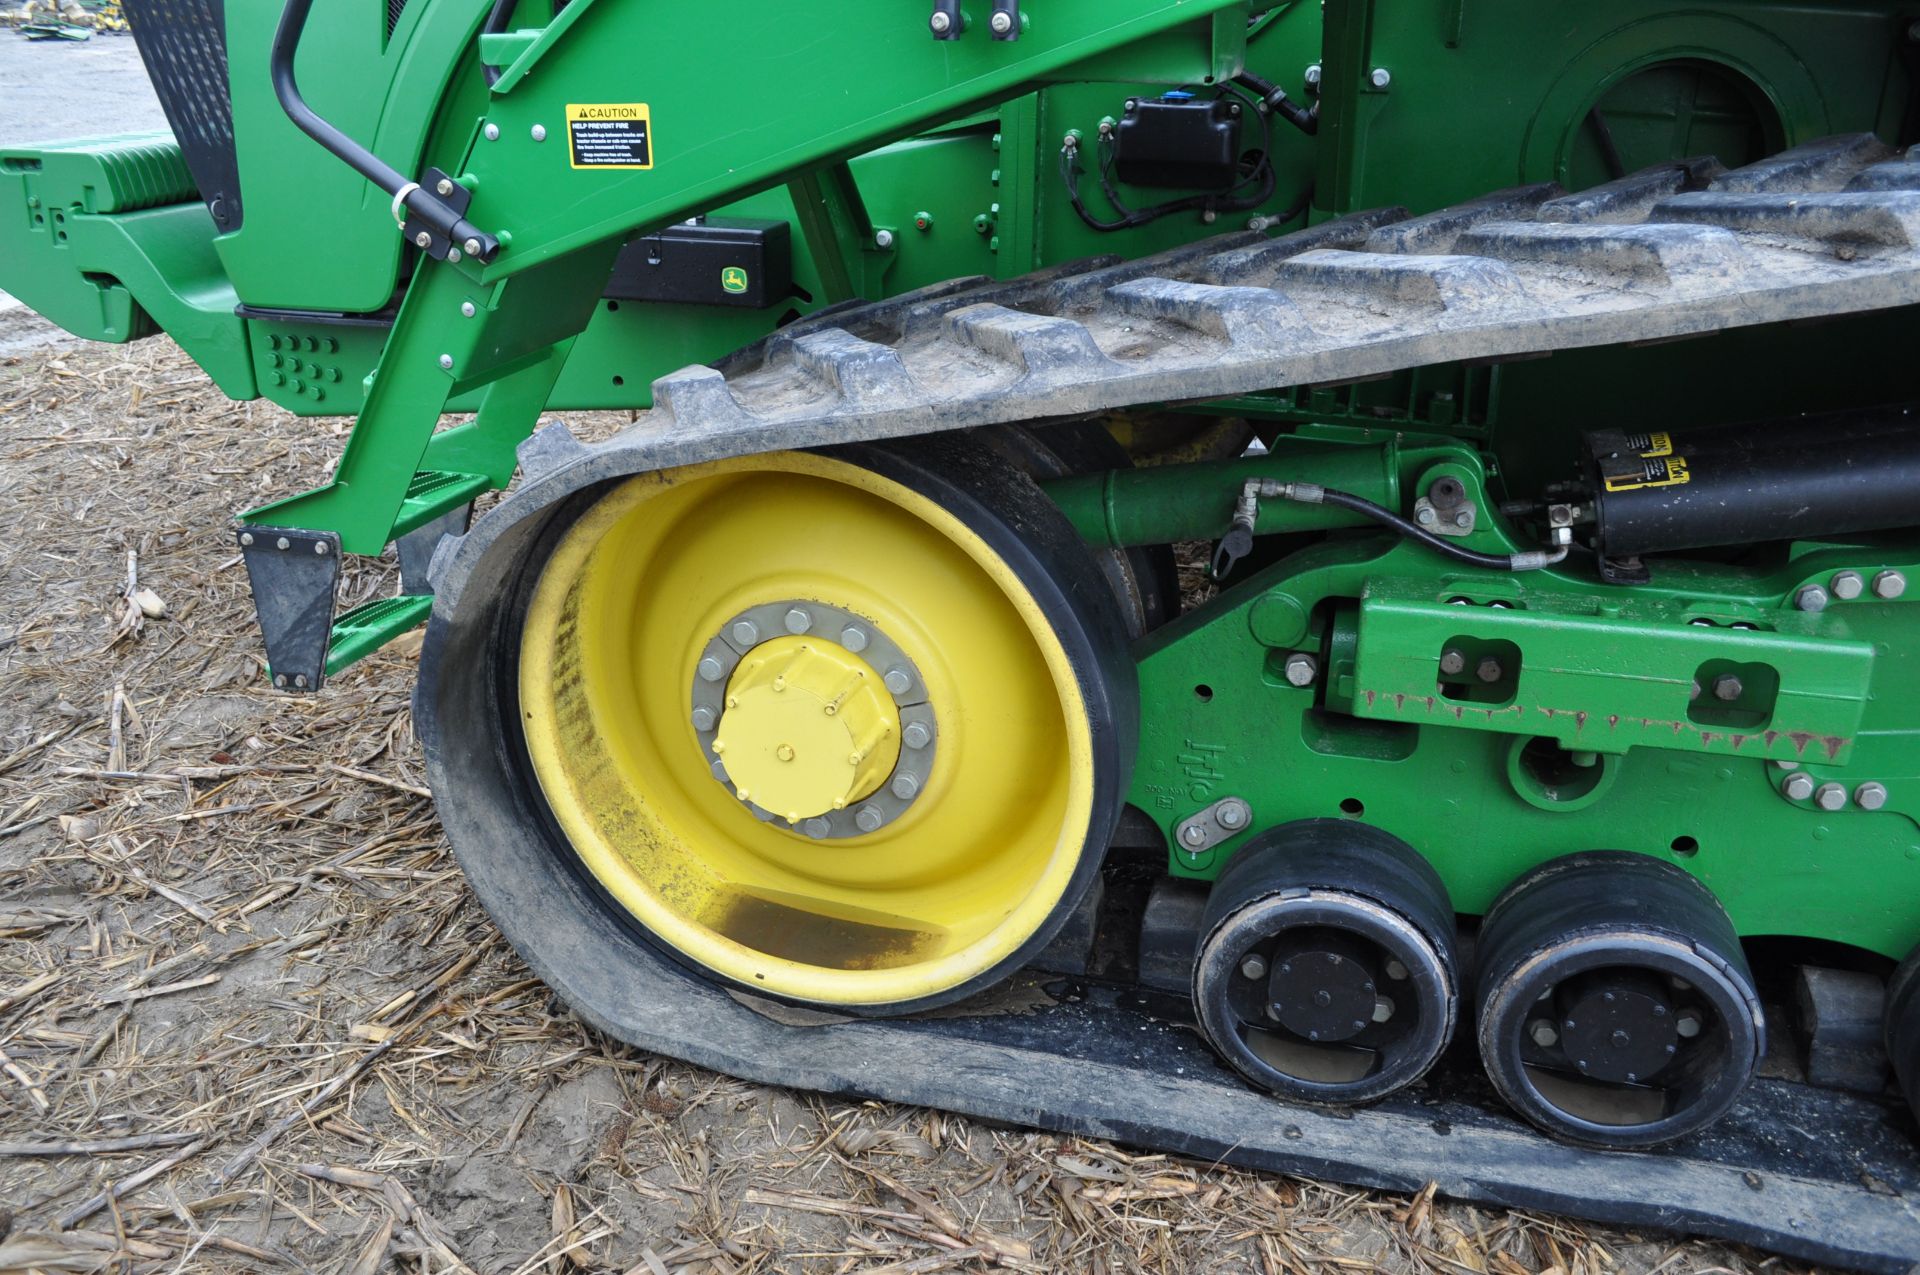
[400, 203]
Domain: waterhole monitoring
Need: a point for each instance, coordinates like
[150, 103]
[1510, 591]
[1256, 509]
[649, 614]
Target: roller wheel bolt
[898, 681]
[711, 670]
[1544, 1034]
[868, 819]
[1870, 795]
[1847, 585]
[1811, 598]
[1889, 585]
[1727, 687]
[1688, 1025]
[916, 735]
[854, 639]
[1798, 786]
[1452, 663]
[703, 718]
[1255, 966]
[1382, 1009]
[1830, 796]
[905, 786]
[1488, 670]
[798, 621]
[1301, 669]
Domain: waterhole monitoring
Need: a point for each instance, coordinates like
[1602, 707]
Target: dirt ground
[252, 1020]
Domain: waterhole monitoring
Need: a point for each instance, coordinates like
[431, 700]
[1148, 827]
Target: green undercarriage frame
[868, 132]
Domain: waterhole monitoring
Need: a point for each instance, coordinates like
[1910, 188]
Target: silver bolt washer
[1889, 585]
[1847, 585]
[539, 132]
[491, 132]
[1830, 796]
[883, 239]
[1811, 598]
[468, 309]
[446, 362]
[1797, 786]
[1380, 78]
[1870, 795]
[755, 625]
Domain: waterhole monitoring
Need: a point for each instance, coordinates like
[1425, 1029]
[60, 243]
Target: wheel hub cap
[808, 728]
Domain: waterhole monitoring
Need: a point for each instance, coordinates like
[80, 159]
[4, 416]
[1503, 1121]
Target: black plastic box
[737, 261]
[1179, 142]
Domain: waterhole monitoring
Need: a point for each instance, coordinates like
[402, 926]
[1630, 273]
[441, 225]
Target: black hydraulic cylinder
[1804, 478]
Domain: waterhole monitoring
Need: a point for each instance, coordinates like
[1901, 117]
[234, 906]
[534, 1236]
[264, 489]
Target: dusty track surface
[242, 979]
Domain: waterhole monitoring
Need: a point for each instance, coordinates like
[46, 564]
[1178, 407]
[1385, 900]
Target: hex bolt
[446, 362]
[1194, 835]
[246, 538]
[1544, 1033]
[1453, 662]
[1001, 22]
[1380, 77]
[280, 679]
[1889, 585]
[1694, 691]
[1847, 585]
[883, 239]
[422, 239]
[1382, 1009]
[468, 309]
[868, 819]
[905, 785]
[1301, 669]
[1830, 796]
[1255, 966]
[1425, 516]
[854, 638]
[940, 22]
[300, 680]
[320, 548]
[1811, 598]
[1463, 519]
[444, 186]
[492, 132]
[539, 132]
[1231, 815]
[798, 621]
[1727, 687]
[719, 769]
[711, 670]
[472, 246]
[816, 827]
[283, 544]
[1312, 76]
[1797, 786]
[703, 718]
[1870, 795]
[1688, 1024]
[1396, 971]
[898, 680]
[916, 735]
[745, 632]
[1489, 670]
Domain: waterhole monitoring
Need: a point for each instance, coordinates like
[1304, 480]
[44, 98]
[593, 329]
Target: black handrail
[450, 229]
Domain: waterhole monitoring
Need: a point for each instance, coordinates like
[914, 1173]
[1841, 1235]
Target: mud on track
[239, 970]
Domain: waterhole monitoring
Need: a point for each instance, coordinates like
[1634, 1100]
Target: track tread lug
[549, 448]
[1258, 262]
[1042, 346]
[697, 393]
[1822, 164]
[1448, 282]
[1234, 315]
[1657, 255]
[1436, 231]
[1886, 218]
[1629, 197]
[861, 371]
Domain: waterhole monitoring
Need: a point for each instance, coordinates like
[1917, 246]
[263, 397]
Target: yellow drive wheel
[826, 726]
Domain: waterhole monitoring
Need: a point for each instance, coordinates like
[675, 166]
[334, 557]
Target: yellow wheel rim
[949, 890]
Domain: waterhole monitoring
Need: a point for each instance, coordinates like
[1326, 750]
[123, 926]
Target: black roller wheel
[1903, 1027]
[1615, 1006]
[1326, 968]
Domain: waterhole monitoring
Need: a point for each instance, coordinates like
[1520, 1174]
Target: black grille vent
[394, 9]
[184, 44]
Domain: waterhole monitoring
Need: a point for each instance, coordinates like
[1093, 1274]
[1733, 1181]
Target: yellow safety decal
[1660, 444]
[1671, 472]
[610, 135]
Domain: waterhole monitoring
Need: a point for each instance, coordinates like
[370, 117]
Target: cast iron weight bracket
[1005, 23]
[293, 573]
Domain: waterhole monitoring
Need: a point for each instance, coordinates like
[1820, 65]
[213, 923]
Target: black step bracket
[416, 547]
[294, 573]
[427, 238]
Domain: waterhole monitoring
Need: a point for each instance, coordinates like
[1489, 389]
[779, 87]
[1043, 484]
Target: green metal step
[371, 625]
[433, 493]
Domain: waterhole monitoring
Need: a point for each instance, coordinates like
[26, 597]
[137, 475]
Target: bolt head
[279, 679]
[916, 735]
[492, 132]
[468, 309]
[1002, 22]
[905, 785]
[472, 246]
[1889, 585]
[320, 548]
[940, 22]
[1544, 1034]
[1255, 966]
[1727, 687]
[898, 680]
[1312, 76]
[798, 621]
[422, 239]
[816, 827]
[446, 362]
[1463, 519]
[1847, 585]
[1811, 598]
[719, 769]
[1193, 834]
[1380, 77]
[1425, 516]
[745, 632]
[704, 718]
[711, 670]
[246, 538]
[854, 638]
[1870, 795]
[1798, 786]
[868, 819]
[1301, 669]
[883, 239]
[1231, 815]
[283, 544]
[539, 132]
[1488, 670]
[1830, 796]
[443, 187]
[1452, 662]
[300, 681]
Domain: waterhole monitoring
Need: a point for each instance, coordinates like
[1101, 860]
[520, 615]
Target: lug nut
[719, 769]
[1301, 669]
[1688, 1025]
[711, 670]
[1830, 796]
[745, 632]
[854, 638]
[703, 718]
[1847, 585]
[898, 680]
[1870, 795]
[1811, 598]
[798, 621]
[1453, 662]
[816, 827]
[916, 735]
[1889, 585]
[1727, 687]
[1488, 670]
[868, 819]
[1798, 786]
[1544, 1033]
[905, 785]
[1255, 966]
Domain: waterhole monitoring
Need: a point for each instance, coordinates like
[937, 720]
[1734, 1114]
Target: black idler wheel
[1326, 969]
[1615, 1006]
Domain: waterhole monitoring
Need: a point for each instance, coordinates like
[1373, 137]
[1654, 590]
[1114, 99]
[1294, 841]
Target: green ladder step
[433, 493]
[371, 625]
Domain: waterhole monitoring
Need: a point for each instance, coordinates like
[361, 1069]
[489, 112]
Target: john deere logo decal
[734, 280]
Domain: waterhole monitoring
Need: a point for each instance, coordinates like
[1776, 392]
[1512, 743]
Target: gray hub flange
[919, 733]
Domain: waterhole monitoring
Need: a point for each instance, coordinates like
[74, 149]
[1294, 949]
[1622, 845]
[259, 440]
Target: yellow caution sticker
[1670, 471]
[1660, 444]
[610, 135]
